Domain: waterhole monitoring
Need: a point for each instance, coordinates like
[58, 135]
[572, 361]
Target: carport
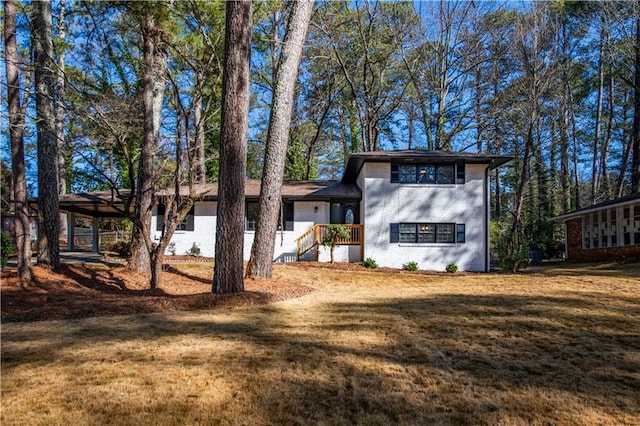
[94, 206]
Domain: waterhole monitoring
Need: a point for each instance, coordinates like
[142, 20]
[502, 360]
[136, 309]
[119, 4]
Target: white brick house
[430, 207]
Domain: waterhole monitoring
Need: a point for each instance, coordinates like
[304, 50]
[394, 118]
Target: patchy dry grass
[557, 346]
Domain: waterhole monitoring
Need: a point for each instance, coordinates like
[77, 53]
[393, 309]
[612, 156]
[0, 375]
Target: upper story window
[428, 173]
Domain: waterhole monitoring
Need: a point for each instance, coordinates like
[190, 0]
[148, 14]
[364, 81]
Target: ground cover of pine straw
[556, 345]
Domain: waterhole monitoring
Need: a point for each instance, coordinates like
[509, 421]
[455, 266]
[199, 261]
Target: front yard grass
[556, 345]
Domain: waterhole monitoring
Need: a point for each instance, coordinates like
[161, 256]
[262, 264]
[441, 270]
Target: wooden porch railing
[316, 234]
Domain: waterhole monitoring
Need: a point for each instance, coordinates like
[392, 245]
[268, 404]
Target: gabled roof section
[616, 202]
[357, 160]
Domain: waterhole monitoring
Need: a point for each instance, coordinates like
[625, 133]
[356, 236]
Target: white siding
[305, 216]
[384, 203]
[203, 235]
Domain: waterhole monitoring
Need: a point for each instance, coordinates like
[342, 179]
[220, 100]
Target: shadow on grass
[606, 269]
[452, 358]
[174, 270]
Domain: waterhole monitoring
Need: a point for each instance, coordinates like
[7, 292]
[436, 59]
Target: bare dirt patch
[91, 290]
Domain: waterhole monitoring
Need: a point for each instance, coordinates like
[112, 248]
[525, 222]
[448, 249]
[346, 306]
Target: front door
[345, 213]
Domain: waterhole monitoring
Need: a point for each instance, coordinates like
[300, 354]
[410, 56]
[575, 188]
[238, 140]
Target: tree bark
[595, 184]
[16, 131]
[48, 207]
[635, 147]
[154, 70]
[198, 122]
[227, 276]
[261, 260]
[60, 90]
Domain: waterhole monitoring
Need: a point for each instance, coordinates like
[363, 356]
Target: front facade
[606, 231]
[305, 204]
[427, 207]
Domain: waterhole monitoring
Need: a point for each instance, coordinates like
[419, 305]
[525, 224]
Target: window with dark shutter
[460, 233]
[160, 217]
[460, 173]
[395, 176]
[394, 232]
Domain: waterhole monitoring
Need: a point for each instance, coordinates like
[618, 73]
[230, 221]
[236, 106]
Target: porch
[313, 238]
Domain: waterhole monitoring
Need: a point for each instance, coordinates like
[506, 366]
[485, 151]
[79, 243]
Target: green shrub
[334, 234]
[452, 267]
[369, 263]
[7, 248]
[410, 266]
[194, 250]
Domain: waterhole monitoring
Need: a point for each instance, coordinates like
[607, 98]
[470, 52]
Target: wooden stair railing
[314, 236]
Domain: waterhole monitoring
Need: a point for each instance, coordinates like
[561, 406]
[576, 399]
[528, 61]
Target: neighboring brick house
[605, 231]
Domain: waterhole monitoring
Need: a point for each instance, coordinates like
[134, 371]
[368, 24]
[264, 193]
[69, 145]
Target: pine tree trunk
[227, 277]
[595, 184]
[60, 89]
[198, 121]
[635, 137]
[261, 261]
[48, 229]
[16, 130]
[154, 70]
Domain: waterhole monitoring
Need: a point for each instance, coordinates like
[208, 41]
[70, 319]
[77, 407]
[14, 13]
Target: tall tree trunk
[261, 260]
[635, 137]
[48, 245]
[626, 152]
[16, 130]
[565, 172]
[606, 141]
[198, 122]
[60, 90]
[227, 277]
[595, 184]
[154, 70]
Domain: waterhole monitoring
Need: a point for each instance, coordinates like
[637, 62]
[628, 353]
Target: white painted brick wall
[386, 203]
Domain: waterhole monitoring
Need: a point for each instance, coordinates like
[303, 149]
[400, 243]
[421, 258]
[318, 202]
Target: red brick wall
[575, 252]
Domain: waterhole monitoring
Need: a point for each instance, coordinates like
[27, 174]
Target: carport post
[96, 235]
[71, 227]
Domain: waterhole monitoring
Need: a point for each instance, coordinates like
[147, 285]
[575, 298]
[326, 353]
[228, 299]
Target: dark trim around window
[434, 174]
[441, 233]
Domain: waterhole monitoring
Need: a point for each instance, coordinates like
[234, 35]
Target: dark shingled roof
[109, 204]
[291, 190]
[421, 156]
